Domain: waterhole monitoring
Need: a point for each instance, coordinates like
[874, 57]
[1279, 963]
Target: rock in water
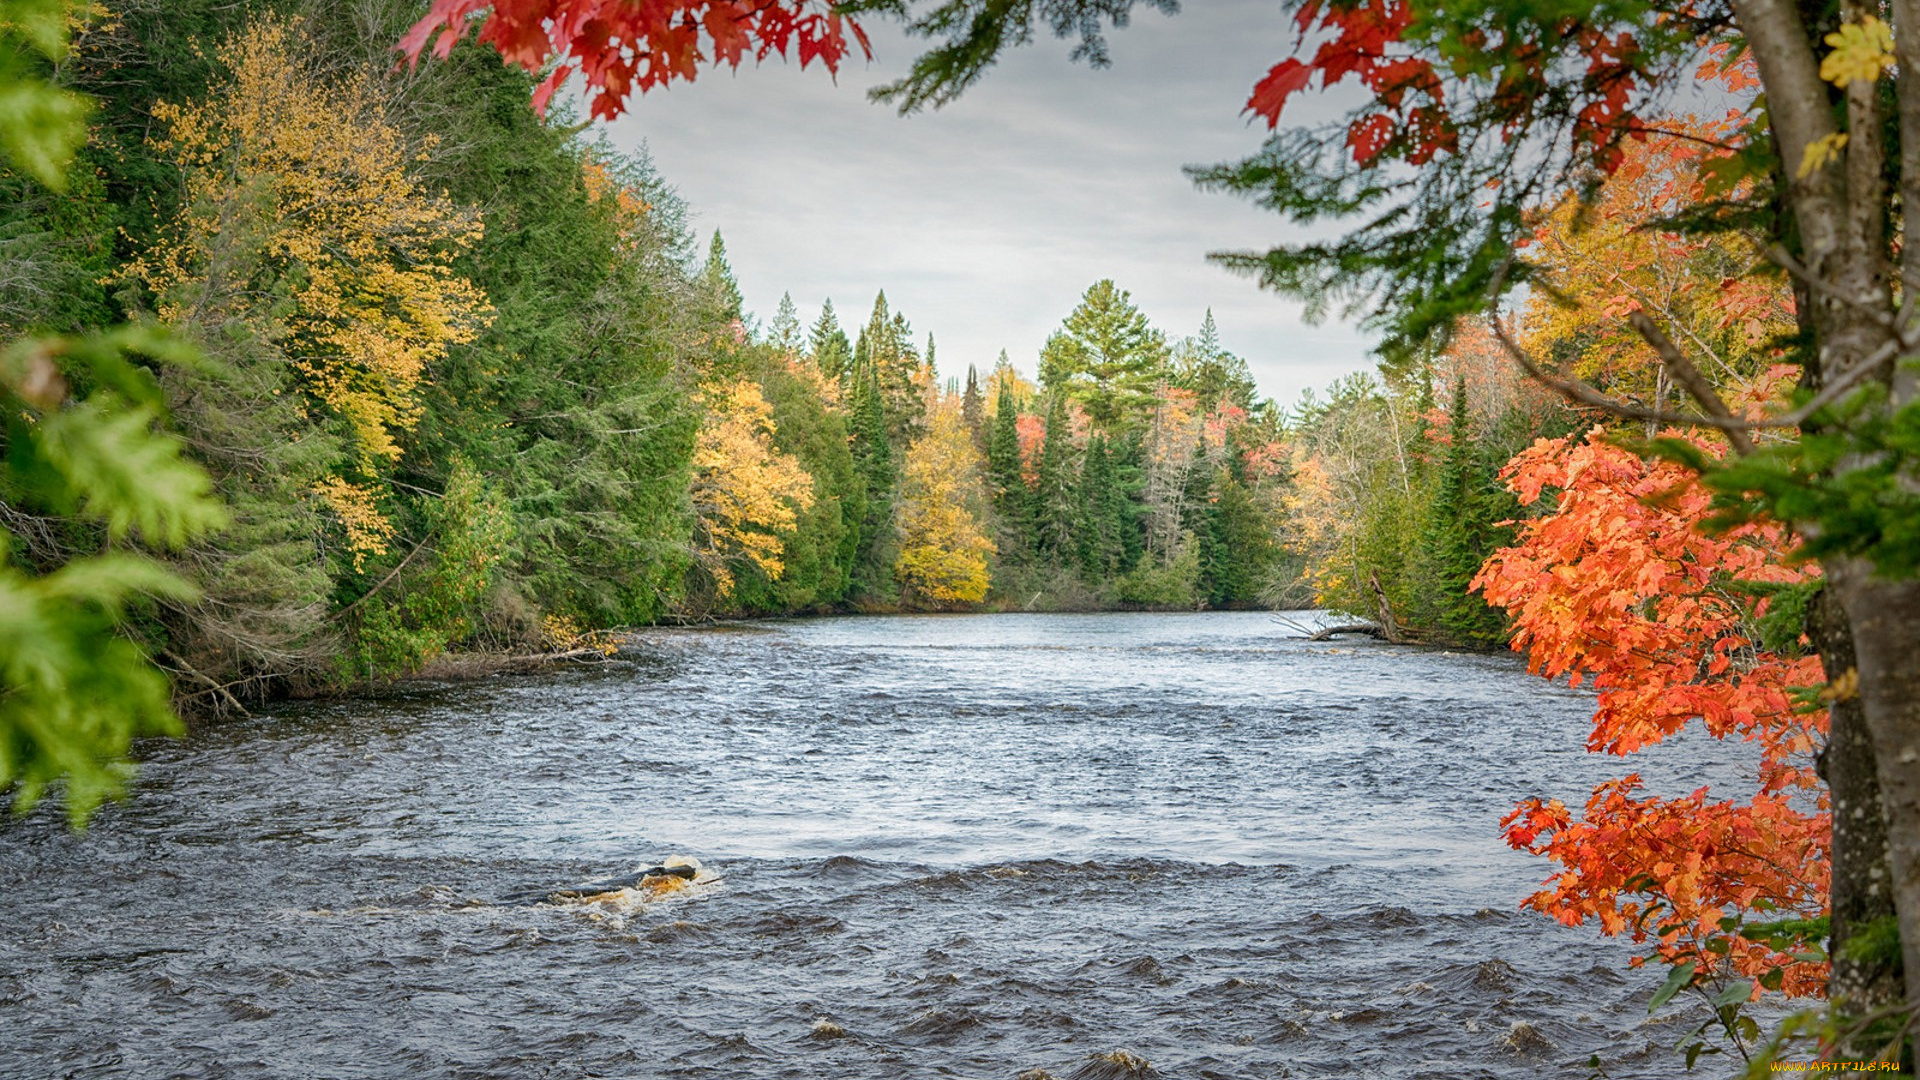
[1114, 1065]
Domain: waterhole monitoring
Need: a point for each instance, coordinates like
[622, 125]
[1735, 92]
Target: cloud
[985, 221]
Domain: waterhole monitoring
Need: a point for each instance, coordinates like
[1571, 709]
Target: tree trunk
[1886, 637]
[1389, 629]
[1860, 892]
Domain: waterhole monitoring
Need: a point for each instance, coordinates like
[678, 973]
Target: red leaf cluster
[1409, 117]
[623, 46]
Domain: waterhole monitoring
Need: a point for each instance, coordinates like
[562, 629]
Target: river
[966, 846]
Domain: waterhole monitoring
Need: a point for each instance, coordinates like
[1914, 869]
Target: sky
[985, 221]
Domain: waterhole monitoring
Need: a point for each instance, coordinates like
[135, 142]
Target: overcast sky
[986, 221]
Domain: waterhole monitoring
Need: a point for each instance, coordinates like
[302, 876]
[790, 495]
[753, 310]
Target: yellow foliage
[629, 207]
[309, 168]
[1599, 262]
[1861, 51]
[943, 551]
[1819, 152]
[563, 633]
[747, 495]
[367, 529]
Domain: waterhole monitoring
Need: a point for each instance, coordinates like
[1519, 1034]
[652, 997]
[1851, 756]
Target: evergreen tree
[1107, 357]
[718, 283]
[1124, 504]
[1004, 381]
[1053, 501]
[785, 334]
[1461, 534]
[1101, 508]
[1005, 484]
[1217, 377]
[873, 457]
[972, 405]
[886, 349]
[827, 344]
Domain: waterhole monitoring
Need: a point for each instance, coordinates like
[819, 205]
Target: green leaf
[41, 127]
[1677, 980]
[43, 23]
[119, 471]
[107, 580]
[1735, 993]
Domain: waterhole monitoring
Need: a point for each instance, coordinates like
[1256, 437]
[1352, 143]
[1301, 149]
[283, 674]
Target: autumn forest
[336, 351]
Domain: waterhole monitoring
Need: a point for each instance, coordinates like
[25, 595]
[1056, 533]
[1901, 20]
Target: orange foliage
[1598, 262]
[1033, 438]
[1619, 586]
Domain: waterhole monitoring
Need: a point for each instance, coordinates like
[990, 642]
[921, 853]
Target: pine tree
[827, 344]
[1107, 357]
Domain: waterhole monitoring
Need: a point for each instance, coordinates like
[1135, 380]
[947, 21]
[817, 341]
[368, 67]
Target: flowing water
[976, 845]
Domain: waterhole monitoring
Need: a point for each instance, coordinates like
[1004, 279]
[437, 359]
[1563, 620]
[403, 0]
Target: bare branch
[1696, 385]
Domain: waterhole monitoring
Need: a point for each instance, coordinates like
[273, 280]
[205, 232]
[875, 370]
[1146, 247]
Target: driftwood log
[1328, 633]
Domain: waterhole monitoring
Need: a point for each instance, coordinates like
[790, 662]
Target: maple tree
[943, 549]
[1618, 587]
[747, 494]
[1620, 250]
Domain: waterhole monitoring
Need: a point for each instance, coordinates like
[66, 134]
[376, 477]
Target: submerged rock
[1524, 1038]
[1114, 1065]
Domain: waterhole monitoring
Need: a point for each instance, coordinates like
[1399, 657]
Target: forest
[321, 367]
[464, 379]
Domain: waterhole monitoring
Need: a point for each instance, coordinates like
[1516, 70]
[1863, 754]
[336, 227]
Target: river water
[978, 845]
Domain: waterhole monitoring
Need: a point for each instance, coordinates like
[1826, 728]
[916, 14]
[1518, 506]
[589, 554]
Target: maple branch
[1586, 394]
[1685, 136]
[1688, 376]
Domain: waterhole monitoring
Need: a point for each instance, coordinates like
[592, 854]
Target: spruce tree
[874, 460]
[1053, 495]
[717, 281]
[973, 407]
[1460, 532]
[1005, 482]
[785, 334]
[828, 346]
[1097, 537]
[1216, 377]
